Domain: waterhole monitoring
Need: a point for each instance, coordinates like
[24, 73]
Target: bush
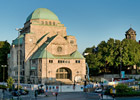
[3, 87]
[127, 94]
[10, 82]
[122, 88]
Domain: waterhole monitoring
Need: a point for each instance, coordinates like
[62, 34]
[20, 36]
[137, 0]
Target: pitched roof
[18, 40]
[130, 30]
[77, 55]
[43, 53]
[41, 38]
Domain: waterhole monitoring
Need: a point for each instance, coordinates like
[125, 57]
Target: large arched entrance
[63, 73]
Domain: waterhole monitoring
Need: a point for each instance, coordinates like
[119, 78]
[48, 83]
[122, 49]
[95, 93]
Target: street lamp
[3, 71]
[18, 29]
[49, 77]
[3, 76]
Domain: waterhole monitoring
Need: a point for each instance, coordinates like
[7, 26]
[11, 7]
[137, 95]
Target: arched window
[63, 73]
[59, 49]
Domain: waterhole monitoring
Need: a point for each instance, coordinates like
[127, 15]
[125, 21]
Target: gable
[60, 46]
[59, 40]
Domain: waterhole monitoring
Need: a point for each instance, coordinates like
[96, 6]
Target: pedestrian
[102, 95]
[3, 91]
[36, 93]
[56, 93]
[46, 93]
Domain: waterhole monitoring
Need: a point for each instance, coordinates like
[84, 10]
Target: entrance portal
[63, 73]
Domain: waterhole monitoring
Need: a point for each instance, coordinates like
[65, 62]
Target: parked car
[98, 90]
[16, 93]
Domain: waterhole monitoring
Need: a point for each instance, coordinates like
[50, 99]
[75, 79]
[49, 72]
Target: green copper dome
[42, 13]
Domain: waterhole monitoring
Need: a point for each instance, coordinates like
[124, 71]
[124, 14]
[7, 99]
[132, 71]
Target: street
[63, 96]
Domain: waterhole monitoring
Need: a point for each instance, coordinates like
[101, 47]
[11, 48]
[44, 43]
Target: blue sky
[90, 21]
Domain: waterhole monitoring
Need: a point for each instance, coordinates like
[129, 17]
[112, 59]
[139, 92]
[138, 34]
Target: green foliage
[127, 94]
[3, 87]
[90, 50]
[10, 82]
[122, 88]
[4, 50]
[111, 54]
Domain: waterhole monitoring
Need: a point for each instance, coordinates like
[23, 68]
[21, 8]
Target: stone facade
[47, 53]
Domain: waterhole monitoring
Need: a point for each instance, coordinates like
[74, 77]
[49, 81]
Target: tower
[130, 34]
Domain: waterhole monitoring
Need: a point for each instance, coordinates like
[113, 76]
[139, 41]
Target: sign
[122, 74]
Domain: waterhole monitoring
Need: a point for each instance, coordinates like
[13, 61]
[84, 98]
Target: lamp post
[3, 71]
[18, 29]
[3, 77]
[49, 76]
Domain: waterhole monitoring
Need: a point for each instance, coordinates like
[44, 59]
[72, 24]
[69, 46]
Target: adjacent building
[45, 52]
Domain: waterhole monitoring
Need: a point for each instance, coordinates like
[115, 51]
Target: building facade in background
[47, 53]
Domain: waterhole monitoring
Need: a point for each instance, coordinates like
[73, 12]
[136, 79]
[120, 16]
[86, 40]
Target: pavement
[61, 96]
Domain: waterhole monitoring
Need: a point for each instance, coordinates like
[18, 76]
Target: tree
[10, 82]
[113, 54]
[4, 50]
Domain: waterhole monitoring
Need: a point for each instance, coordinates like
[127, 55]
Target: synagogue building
[44, 52]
